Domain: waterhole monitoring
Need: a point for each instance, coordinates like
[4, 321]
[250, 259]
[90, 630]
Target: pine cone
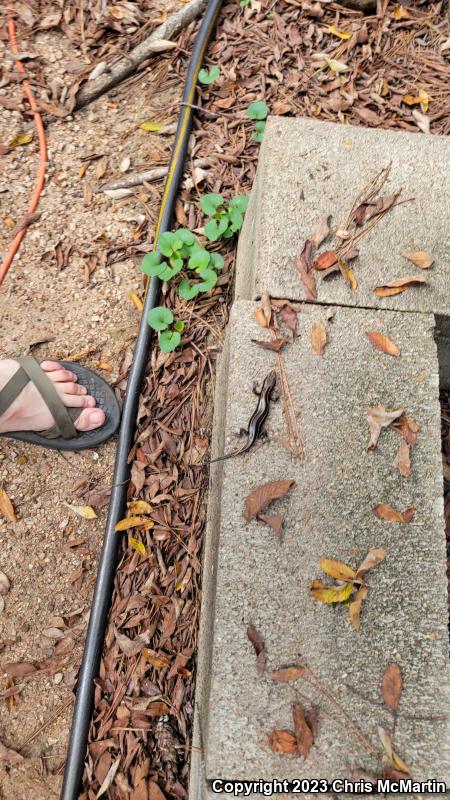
[167, 743]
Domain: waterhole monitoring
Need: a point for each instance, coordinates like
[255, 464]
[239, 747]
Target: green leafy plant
[258, 111]
[208, 76]
[225, 220]
[244, 3]
[179, 251]
[160, 318]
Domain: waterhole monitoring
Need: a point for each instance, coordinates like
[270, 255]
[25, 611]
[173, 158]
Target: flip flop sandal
[63, 435]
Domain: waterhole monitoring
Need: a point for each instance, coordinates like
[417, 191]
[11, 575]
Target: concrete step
[250, 577]
[309, 170]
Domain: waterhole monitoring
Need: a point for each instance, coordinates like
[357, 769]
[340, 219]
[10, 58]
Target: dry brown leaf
[19, 669]
[287, 674]
[275, 345]
[157, 660]
[386, 512]
[381, 342]
[392, 685]
[378, 418]
[325, 260]
[420, 258]
[409, 514]
[263, 495]
[402, 460]
[6, 507]
[288, 316]
[258, 643]
[407, 427]
[109, 778]
[303, 265]
[276, 523]
[318, 338]
[354, 609]
[154, 792]
[130, 647]
[348, 275]
[374, 557]
[337, 569]
[309, 282]
[282, 742]
[398, 286]
[320, 231]
[303, 732]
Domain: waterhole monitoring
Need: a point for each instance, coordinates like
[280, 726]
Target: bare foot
[28, 412]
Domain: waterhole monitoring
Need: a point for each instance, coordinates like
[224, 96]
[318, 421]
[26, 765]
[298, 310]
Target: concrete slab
[308, 170]
[250, 578]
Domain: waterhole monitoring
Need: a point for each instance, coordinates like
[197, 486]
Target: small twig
[126, 66]
[310, 676]
[47, 722]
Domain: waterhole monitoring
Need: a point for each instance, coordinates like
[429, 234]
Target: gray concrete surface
[310, 169]
[250, 578]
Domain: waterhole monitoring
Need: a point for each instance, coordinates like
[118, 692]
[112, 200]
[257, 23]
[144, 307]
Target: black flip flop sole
[106, 400]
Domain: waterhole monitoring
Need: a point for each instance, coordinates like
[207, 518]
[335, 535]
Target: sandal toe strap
[45, 387]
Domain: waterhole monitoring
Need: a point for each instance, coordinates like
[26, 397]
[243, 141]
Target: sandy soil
[56, 306]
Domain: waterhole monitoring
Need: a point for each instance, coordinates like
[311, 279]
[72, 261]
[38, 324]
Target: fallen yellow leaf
[422, 99]
[340, 34]
[151, 125]
[134, 297]
[6, 507]
[21, 139]
[337, 570]
[349, 276]
[330, 594]
[139, 546]
[134, 522]
[400, 12]
[139, 507]
[82, 511]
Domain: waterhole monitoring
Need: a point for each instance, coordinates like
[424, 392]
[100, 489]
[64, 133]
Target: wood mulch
[391, 72]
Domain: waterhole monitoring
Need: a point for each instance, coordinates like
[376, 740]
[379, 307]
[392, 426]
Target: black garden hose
[101, 602]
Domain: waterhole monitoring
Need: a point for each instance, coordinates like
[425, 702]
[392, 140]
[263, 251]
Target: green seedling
[258, 111]
[208, 76]
[160, 318]
[225, 220]
[179, 250]
[244, 3]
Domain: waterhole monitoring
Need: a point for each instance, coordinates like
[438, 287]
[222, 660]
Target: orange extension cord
[15, 244]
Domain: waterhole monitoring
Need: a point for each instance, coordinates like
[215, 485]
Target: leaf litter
[378, 45]
[350, 585]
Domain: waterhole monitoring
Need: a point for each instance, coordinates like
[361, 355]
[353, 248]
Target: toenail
[96, 416]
